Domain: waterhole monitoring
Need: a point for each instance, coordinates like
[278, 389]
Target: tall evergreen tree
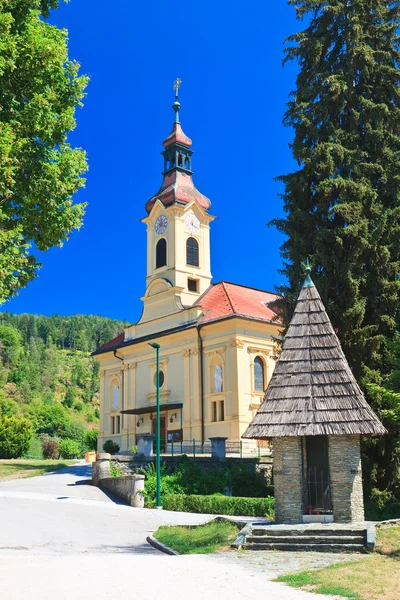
[342, 204]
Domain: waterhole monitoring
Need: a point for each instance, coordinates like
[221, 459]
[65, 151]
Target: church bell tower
[178, 229]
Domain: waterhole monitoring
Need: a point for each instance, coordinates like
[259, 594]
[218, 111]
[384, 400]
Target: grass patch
[20, 469]
[203, 539]
[376, 577]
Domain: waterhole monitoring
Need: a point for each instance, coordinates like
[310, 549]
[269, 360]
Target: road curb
[159, 546]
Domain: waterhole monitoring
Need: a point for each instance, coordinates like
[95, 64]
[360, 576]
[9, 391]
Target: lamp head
[154, 345]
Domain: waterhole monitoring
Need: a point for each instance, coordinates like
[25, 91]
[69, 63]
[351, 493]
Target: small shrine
[315, 414]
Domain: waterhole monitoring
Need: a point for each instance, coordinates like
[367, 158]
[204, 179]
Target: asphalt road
[61, 538]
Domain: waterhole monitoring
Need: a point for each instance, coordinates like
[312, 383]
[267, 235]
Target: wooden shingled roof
[312, 390]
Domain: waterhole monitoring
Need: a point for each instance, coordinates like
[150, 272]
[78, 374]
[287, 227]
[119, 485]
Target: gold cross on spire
[177, 83]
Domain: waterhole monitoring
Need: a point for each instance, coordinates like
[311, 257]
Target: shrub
[220, 505]
[69, 448]
[110, 447]
[91, 439]
[35, 449]
[50, 447]
[133, 449]
[15, 436]
[169, 484]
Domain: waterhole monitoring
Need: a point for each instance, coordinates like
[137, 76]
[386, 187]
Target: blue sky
[233, 96]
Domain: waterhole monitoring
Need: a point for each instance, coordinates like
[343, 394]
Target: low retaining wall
[129, 487]
[134, 464]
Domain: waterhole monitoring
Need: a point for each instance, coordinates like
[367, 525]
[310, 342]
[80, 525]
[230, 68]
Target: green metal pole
[158, 429]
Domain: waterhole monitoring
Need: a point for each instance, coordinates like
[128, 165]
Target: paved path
[61, 538]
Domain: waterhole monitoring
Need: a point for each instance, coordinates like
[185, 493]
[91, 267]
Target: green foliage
[10, 346]
[198, 540]
[15, 436]
[110, 447]
[342, 203]
[191, 479]
[217, 504]
[39, 170]
[116, 470]
[91, 439]
[35, 449]
[69, 448]
[50, 447]
[133, 449]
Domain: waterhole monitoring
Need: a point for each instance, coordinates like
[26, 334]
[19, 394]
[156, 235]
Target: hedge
[218, 504]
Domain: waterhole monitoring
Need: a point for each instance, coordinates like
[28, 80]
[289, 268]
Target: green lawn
[375, 577]
[21, 468]
[214, 536]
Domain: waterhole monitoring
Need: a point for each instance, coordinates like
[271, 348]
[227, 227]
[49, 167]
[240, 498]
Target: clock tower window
[192, 252]
[161, 253]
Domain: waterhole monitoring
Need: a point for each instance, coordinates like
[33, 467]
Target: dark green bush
[110, 447]
[220, 505]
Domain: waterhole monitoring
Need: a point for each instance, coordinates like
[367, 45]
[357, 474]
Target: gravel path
[61, 538]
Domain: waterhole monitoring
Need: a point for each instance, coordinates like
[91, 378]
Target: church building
[217, 339]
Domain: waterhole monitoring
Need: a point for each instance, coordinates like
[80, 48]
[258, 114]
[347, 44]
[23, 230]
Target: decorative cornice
[186, 352]
[114, 374]
[258, 350]
[236, 343]
[102, 374]
[213, 351]
[131, 365]
[162, 395]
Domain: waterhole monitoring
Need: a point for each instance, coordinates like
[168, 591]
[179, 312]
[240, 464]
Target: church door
[163, 432]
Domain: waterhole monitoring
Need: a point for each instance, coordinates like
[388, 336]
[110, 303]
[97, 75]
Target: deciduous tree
[39, 170]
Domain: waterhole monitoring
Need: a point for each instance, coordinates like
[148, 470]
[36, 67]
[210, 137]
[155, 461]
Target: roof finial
[308, 282]
[176, 105]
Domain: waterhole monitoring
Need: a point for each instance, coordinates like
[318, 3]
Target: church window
[218, 382]
[222, 411]
[116, 398]
[192, 252]
[180, 160]
[161, 253]
[187, 165]
[115, 425]
[192, 285]
[214, 412]
[259, 375]
[161, 379]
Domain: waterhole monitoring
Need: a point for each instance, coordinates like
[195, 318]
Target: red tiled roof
[178, 187]
[112, 343]
[177, 135]
[225, 299]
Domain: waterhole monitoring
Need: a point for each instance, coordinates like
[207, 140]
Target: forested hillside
[48, 378]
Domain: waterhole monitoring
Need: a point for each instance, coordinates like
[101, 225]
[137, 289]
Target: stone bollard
[137, 498]
[145, 444]
[218, 447]
[101, 468]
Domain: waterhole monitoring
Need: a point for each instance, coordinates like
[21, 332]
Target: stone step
[305, 539]
[278, 532]
[307, 547]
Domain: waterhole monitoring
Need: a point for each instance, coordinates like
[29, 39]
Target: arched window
[161, 253]
[116, 398]
[192, 252]
[258, 375]
[218, 379]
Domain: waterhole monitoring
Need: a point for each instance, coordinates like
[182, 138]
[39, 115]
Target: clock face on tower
[161, 224]
[192, 223]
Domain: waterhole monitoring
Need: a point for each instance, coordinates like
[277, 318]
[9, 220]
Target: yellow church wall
[233, 344]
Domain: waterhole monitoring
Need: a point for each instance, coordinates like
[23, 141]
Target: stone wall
[134, 464]
[346, 478]
[288, 479]
[129, 487]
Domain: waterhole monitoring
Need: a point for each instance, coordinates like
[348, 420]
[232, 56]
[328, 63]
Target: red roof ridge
[228, 296]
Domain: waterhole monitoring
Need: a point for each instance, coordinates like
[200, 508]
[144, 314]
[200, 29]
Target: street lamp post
[158, 444]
